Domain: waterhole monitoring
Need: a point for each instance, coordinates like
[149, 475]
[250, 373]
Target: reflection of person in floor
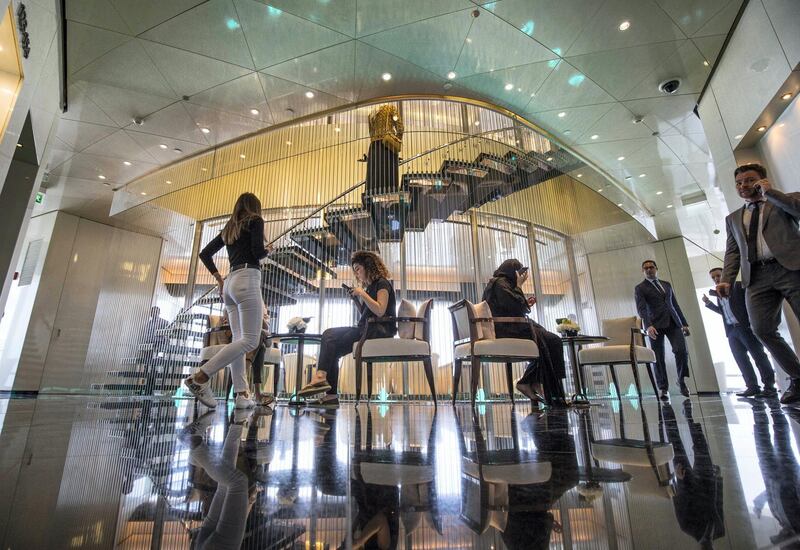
[530, 522]
[698, 486]
[780, 470]
[223, 525]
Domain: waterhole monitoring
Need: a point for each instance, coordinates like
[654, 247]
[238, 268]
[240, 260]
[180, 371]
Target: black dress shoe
[767, 393]
[750, 392]
[792, 393]
[663, 395]
[683, 389]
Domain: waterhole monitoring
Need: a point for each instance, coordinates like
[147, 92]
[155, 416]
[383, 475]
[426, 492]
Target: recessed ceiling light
[705, 63]
[619, 204]
[163, 145]
[786, 96]
[642, 175]
[599, 189]
[177, 151]
[477, 123]
[761, 129]
[169, 182]
[509, 87]
[451, 75]
[594, 136]
[386, 76]
[567, 132]
[580, 175]
[242, 156]
[738, 136]
[548, 158]
[562, 114]
[669, 206]
[781, 125]
[469, 40]
[19, 145]
[620, 158]
[628, 177]
[126, 163]
[288, 143]
[204, 169]
[101, 176]
[205, 130]
[625, 25]
[310, 94]
[659, 192]
[143, 193]
[255, 112]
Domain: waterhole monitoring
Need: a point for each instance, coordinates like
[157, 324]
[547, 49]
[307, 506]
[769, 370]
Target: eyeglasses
[747, 181]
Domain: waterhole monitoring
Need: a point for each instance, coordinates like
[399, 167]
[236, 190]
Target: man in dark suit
[742, 340]
[764, 242]
[661, 314]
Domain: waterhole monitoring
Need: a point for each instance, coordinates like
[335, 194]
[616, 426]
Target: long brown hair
[373, 265]
[246, 208]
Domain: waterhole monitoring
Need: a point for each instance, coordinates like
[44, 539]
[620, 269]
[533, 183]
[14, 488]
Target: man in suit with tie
[764, 243]
[658, 308]
[742, 340]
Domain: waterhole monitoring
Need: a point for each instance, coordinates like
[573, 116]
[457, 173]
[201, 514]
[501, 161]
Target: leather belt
[237, 267]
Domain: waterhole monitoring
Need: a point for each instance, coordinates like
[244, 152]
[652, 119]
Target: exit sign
[39, 198]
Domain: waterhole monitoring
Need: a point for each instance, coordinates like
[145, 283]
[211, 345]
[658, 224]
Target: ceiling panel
[122, 105]
[523, 82]
[100, 14]
[164, 149]
[86, 44]
[173, 121]
[616, 124]
[339, 16]
[686, 63]
[120, 145]
[80, 135]
[567, 87]
[664, 114]
[288, 100]
[721, 22]
[274, 36]
[239, 96]
[331, 70]
[372, 63]
[212, 29]
[84, 109]
[692, 15]
[142, 15]
[224, 126]
[378, 15]
[571, 123]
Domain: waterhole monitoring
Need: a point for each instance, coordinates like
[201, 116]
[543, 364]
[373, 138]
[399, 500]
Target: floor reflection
[119, 473]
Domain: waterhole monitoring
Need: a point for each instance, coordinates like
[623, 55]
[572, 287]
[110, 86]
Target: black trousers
[769, 285]
[382, 169]
[336, 343]
[555, 346]
[742, 340]
[674, 334]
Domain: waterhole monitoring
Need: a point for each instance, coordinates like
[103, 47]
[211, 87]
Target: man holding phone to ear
[764, 243]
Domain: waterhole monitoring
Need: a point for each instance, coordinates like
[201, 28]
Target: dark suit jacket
[657, 309]
[738, 306]
[781, 214]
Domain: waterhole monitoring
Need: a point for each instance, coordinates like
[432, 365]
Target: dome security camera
[670, 86]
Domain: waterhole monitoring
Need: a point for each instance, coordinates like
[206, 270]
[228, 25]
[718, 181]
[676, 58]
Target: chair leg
[369, 381]
[510, 382]
[456, 377]
[359, 365]
[636, 380]
[228, 383]
[616, 382]
[276, 378]
[429, 375]
[652, 378]
[476, 374]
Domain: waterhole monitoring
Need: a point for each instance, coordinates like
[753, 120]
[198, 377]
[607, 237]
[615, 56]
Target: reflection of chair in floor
[637, 455]
[487, 473]
[413, 471]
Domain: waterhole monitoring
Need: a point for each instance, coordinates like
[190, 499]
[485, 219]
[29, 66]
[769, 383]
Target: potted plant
[567, 327]
[298, 325]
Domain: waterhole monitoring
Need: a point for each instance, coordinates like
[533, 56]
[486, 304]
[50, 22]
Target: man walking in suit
[764, 242]
[658, 308]
[742, 340]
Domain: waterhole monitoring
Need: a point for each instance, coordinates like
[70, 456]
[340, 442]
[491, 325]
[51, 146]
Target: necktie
[659, 287]
[752, 232]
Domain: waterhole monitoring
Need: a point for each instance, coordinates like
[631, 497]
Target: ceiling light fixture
[628, 177]
[620, 158]
[205, 130]
[143, 193]
[178, 151]
[19, 145]
[169, 182]
[386, 76]
[786, 96]
[599, 189]
[619, 204]
[781, 125]
[594, 136]
[548, 158]
[580, 175]
[509, 87]
[761, 129]
[162, 145]
[255, 112]
[101, 176]
[738, 136]
[625, 25]
[562, 114]
[659, 192]
[642, 175]
[669, 206]
[451, 75]
[310, 94]
[705, 63]
[126, 163]
[469, 40]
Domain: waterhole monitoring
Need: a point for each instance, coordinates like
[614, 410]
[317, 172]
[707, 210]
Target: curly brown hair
[372, 263]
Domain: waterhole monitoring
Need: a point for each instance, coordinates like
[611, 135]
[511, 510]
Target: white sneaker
[243, 402]
[202, 392]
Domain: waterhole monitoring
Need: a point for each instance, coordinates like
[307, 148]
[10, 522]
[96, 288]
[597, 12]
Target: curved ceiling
[200, 73]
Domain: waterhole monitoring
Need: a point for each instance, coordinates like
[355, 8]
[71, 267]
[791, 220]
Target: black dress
[505, 299]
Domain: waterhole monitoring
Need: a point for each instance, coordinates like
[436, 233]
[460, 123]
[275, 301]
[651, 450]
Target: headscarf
[508, 269]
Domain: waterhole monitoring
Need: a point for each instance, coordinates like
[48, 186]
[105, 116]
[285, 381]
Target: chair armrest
[506, 320]
[397, 319]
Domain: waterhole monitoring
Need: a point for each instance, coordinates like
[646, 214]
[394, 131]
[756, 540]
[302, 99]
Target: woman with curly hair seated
[376, 299]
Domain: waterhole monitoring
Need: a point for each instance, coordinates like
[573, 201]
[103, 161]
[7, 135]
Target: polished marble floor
[93, 472]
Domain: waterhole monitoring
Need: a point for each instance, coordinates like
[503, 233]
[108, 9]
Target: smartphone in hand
[347, 287]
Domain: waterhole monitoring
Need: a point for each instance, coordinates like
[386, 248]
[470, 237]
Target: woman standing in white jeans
[243, 236]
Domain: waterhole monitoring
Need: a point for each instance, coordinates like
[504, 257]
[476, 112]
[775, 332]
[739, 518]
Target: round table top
[294, 337]
[583, 339]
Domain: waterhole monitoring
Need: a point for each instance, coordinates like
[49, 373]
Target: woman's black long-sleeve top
[247, 249]
[506, 299]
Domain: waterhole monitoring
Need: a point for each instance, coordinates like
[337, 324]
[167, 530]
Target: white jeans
[242, 297]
